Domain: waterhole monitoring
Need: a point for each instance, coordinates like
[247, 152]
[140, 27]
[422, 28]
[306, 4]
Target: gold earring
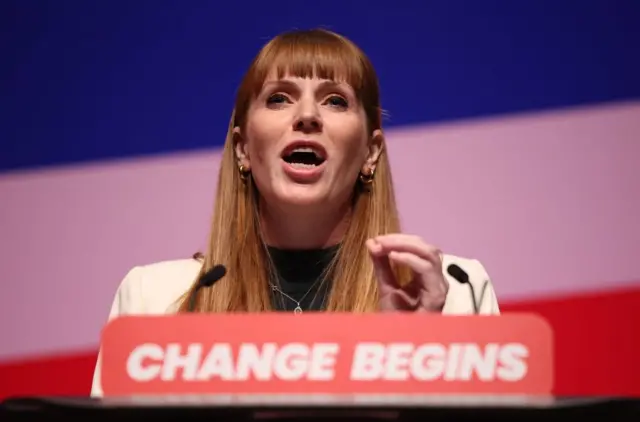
[367, 179]
[244, 172]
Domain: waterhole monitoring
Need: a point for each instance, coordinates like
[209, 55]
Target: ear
[240, 148]
[375, 147]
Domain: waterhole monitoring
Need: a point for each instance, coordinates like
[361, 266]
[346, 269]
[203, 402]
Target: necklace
[298, 308]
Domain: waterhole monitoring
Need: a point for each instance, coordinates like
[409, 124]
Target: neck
[309, 228]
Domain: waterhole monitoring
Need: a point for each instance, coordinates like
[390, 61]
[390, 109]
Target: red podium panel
[325, 353]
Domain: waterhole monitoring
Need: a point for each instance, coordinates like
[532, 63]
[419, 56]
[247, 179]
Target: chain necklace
[298, 308]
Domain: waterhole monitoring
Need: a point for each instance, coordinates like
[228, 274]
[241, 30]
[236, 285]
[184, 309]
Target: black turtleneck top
[300, 278]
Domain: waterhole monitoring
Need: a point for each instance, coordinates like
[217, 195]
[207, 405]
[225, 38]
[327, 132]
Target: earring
[244, 172]
[367, 179]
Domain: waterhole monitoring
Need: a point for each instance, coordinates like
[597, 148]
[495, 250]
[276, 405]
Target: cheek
[261, 137]
[350, 138]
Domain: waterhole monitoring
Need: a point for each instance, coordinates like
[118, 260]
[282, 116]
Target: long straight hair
[235, 239]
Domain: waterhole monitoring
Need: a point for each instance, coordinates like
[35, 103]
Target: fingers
[430, 278]
[382, 268]
[416, 263]
[411, 244]
[432, 286]
[399, 300]
[428, 289]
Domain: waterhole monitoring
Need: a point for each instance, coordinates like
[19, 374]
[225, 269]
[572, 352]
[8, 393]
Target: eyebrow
[323, 85]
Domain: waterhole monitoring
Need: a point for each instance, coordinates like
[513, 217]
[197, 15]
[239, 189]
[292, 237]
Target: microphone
[462, 277]
[207, 280]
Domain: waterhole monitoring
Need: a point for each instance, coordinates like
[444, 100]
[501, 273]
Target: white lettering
[513, 366]
[368, 361]
[481, 362]
[323, 361]
[217, 363]
[298, 361]
[290, 362]
[255, 362]
[135, 363]
[453, 361]
[398, 357]
[174, 360]
[433, 361]
[429, 361]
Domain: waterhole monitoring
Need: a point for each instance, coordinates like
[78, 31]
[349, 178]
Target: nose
[308, 118]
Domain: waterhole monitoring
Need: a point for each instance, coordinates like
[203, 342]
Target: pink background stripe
[549, 202]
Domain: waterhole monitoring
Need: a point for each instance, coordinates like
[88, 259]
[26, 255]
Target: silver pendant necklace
[298, 308]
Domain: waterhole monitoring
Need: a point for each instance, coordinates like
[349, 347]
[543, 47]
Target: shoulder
[154, 288]
[461, 296]
[149, 289]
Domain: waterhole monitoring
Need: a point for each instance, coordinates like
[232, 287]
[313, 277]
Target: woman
[305, 217]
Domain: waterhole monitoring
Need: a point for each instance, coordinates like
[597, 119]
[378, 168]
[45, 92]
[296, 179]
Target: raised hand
[427, 290]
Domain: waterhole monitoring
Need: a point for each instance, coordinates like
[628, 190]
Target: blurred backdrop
[513, 131]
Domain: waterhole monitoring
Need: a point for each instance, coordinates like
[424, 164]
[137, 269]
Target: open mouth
[305, 157]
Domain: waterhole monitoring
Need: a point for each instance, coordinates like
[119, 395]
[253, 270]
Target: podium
[273, 367]
[315, 408]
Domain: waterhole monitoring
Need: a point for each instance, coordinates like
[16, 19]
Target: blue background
[94, 80]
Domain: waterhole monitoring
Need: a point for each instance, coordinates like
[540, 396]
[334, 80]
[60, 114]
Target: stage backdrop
[513, 132]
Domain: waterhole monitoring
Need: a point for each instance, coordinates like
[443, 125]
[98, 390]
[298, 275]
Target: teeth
[302, 165]
[305, 149]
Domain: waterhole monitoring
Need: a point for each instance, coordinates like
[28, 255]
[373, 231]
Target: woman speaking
[305, 217]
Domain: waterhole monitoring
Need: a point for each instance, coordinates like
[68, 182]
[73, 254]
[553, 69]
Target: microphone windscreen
[458, 273]
[213, 275]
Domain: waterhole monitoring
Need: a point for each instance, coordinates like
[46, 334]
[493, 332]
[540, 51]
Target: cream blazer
[156, 288]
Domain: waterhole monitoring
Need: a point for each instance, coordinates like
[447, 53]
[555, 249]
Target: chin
[299, 195]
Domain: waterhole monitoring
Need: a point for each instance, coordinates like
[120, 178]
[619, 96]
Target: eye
[277, 99]
[337, 101]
